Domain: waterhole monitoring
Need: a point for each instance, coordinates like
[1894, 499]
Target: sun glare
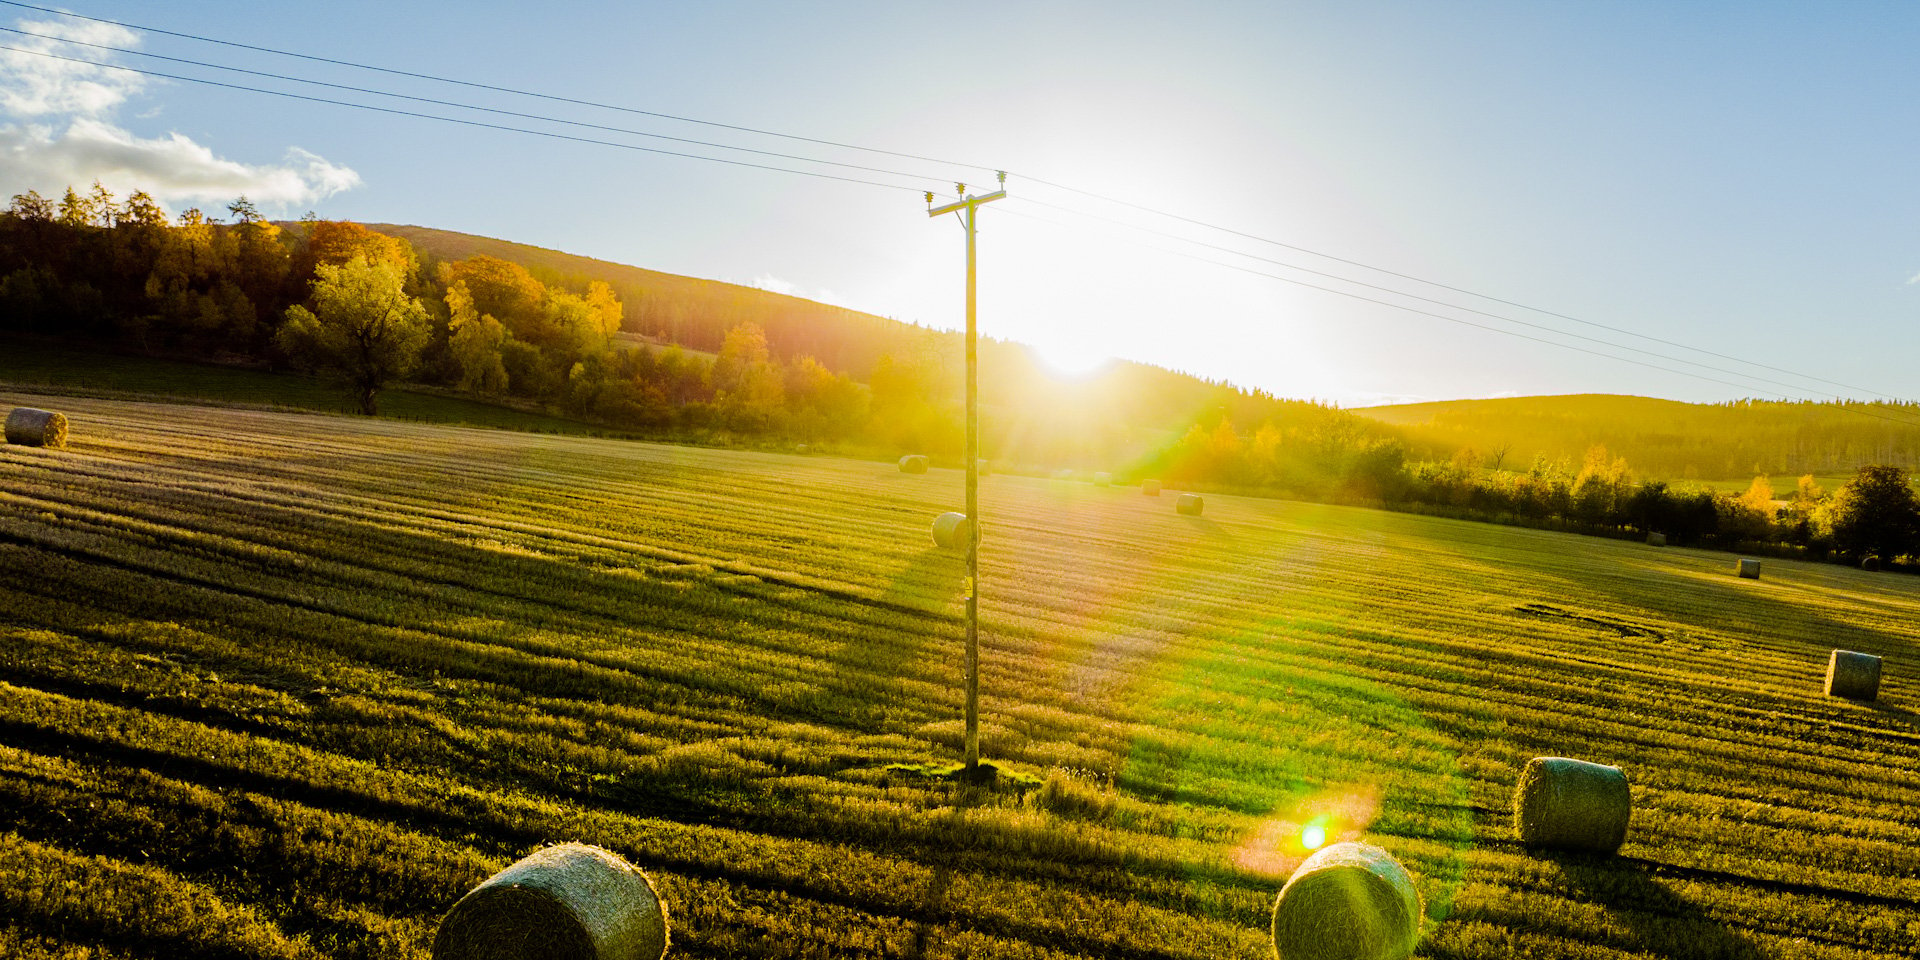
[1072, 360]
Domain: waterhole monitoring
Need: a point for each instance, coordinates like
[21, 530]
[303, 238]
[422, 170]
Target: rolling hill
[1665, 439]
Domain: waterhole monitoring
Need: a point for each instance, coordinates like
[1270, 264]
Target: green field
[27, 365]
[286, 685]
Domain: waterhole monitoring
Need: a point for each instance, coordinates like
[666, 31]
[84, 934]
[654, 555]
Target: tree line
[369, 309]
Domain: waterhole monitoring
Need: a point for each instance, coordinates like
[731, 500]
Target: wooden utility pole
[969, 205]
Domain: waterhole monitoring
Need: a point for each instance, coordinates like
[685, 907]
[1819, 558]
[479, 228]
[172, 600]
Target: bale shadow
[1660, 922]
[1206, 526]
[1890, 711]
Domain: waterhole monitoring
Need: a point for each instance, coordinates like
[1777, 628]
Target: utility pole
[969, 205]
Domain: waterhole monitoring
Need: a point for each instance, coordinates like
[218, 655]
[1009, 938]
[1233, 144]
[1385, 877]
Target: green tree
[476, 343]
[363, 327]
[1876, 514]
[746, 379]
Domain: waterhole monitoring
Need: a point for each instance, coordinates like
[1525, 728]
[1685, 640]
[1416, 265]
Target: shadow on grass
[855, 693]
[1208, 527]
[1658, 921]
[1892, 712]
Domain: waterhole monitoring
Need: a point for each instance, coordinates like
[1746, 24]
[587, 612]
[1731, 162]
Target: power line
[487, 86]
[463, 106]
[803, 159]
[1442, 286]
[1423, 299]
[1481, 326]
[457, 120]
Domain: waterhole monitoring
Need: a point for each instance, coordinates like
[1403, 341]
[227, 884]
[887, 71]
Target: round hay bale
[1869, 563]
[914, 463]
[571, 900]
[802, 449]
[1750, 568]
[1150, 488]
[1063, 474]
[983, 467]
[952, 531]
[36, 428]
[1656, 539]
[1190, 504]
[1103, 479]
[1349, 901]
[1572, 805]
[1855, 676]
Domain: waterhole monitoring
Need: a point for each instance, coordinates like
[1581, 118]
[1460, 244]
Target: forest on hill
[595, 342]
[637, 350]
[1663, 438]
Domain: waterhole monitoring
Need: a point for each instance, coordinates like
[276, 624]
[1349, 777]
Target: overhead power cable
[1902, 421]
[803, 159]
[462, 122]
[1442, 286]
[487, 86]
[1423, 299]
[919, 177]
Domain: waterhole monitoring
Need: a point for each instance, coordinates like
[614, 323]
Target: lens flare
[1314, 835]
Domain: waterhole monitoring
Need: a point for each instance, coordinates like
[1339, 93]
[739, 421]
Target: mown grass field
[64, 370]
[284, 685]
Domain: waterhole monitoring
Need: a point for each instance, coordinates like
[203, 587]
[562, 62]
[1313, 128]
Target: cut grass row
[461, 643]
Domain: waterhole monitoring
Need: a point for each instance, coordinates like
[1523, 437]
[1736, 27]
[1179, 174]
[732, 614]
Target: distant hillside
[692, 312]
[1665, 438]
[1124, 412]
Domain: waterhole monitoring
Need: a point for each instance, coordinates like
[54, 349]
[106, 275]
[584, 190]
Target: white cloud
[1913, 280]
[1375, 398]
[64, 134]
[34, 86]
[172, 168]
[773, 284]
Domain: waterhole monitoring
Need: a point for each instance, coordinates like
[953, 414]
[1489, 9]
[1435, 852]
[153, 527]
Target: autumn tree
[1750, 515]
[1876, 514]
[476, 343]
[338, 241]
[506, 291]
[363, 327]
[746, 380]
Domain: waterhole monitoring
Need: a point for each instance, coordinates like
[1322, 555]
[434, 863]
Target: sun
[1072, 360]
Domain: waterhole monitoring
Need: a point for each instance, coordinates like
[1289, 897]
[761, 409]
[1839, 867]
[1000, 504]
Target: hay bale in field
[1750, 568]
[1189, 504]
[802, 449]
[1103, 479]
[1855, 676]
[1572, 805]
[36, 428]
[952, 531]
[1869, 563]
[571, 900]
[1150, 488]
[1350, 901]
[1656, 539]
[983, 467]
[1063, 474]
[914, 463]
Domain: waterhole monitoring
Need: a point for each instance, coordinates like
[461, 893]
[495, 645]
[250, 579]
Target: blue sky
[1738, 177]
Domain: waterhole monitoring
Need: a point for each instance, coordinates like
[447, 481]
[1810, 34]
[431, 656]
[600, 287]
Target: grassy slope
[1665, 438]
[310, 678]
[60, 369]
